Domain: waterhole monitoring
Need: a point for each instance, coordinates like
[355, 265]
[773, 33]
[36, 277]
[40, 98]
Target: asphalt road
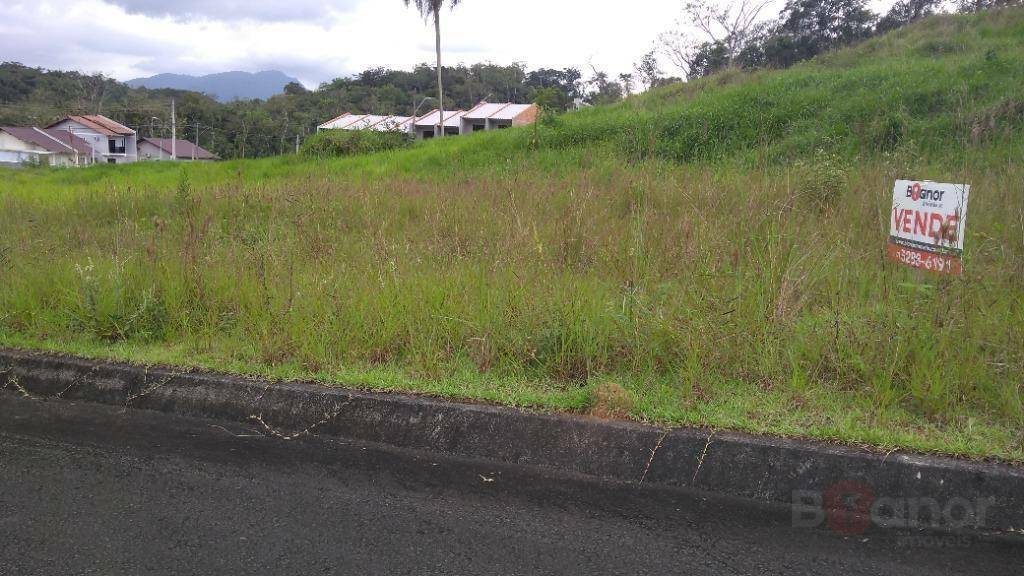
[87, 489]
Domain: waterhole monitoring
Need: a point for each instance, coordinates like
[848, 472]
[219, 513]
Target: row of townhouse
[483, 116]
[86, 140]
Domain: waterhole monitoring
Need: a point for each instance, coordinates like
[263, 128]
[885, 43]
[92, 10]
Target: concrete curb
[904, 490]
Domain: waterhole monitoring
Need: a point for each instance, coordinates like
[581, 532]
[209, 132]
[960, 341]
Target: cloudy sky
[318, 40]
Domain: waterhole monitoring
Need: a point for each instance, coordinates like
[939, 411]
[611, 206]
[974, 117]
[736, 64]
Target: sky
[319, 40]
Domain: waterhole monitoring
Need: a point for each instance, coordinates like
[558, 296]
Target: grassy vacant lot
[706, 254]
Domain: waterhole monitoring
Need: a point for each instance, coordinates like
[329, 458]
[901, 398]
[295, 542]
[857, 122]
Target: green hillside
[930, 89]
[708, 253]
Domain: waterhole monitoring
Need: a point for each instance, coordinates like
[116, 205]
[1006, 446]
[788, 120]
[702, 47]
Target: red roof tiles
[99, 123]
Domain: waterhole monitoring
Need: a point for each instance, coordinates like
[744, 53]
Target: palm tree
[432, 9]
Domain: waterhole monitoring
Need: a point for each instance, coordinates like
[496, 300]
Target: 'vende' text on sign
[926, 227]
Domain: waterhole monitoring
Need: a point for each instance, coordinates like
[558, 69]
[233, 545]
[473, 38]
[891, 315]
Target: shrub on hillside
[332, 143]
[818, 178]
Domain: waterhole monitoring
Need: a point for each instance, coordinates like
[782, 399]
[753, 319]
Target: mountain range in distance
[224, 86]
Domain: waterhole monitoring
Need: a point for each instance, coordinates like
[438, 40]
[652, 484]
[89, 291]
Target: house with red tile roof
[110, 142]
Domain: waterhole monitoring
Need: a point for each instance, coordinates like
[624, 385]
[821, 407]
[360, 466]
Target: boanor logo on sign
[916, 192]
[926, 229]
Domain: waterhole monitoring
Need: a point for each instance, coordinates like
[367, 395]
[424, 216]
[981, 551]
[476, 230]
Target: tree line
[252, 128]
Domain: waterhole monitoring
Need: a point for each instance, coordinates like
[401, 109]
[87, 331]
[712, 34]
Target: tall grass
[745, 287]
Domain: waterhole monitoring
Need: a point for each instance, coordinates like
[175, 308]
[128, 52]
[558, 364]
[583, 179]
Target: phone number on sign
[924, 260]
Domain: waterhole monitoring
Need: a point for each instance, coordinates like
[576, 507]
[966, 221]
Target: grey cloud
[34, 39]
[233, 10]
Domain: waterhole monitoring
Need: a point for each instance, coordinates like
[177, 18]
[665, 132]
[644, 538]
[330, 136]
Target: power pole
[296, 142]
[174, 133]
[440, 85]
[195, 147]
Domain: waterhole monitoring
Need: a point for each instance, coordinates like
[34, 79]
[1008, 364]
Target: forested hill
[249, 128]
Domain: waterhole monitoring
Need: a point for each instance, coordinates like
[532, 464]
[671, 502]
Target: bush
[333, 143]
[818, 179]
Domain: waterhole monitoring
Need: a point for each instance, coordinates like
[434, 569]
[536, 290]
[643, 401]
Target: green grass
[715, 250]
[336, 143]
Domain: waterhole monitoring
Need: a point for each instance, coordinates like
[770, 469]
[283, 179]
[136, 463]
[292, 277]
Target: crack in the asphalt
[219, 427]
[78, 380]
[700, 462]
[12, 380]
[283, 436]
[270, 384]
[653, 452]
[146, 391]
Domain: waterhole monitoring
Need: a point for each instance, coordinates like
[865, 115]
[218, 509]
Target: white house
[21, 145]
[488, 116]
[368, 122]
[111, 142]
[393, 124]
[338, 122]
[426, 126]
[483, 116]
[365, 122]
[157, 149]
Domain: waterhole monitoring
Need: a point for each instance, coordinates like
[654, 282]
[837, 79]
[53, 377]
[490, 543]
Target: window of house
[111, 161]
[478, 127]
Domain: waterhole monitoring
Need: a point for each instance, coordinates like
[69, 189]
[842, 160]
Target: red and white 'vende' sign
[926, 227]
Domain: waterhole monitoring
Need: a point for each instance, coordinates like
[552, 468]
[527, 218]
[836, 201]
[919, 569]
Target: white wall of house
[12, 144]
[148, 151]
[63, 160]
[492, 116]
[425, 132]
[17, 157]
[100, 143]
[15, 152]
[470, 126]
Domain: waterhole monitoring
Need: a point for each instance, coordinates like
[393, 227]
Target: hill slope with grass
[938, 87]
[706, 254]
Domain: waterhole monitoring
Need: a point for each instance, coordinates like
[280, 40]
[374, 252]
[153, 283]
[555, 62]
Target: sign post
[926, 227]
